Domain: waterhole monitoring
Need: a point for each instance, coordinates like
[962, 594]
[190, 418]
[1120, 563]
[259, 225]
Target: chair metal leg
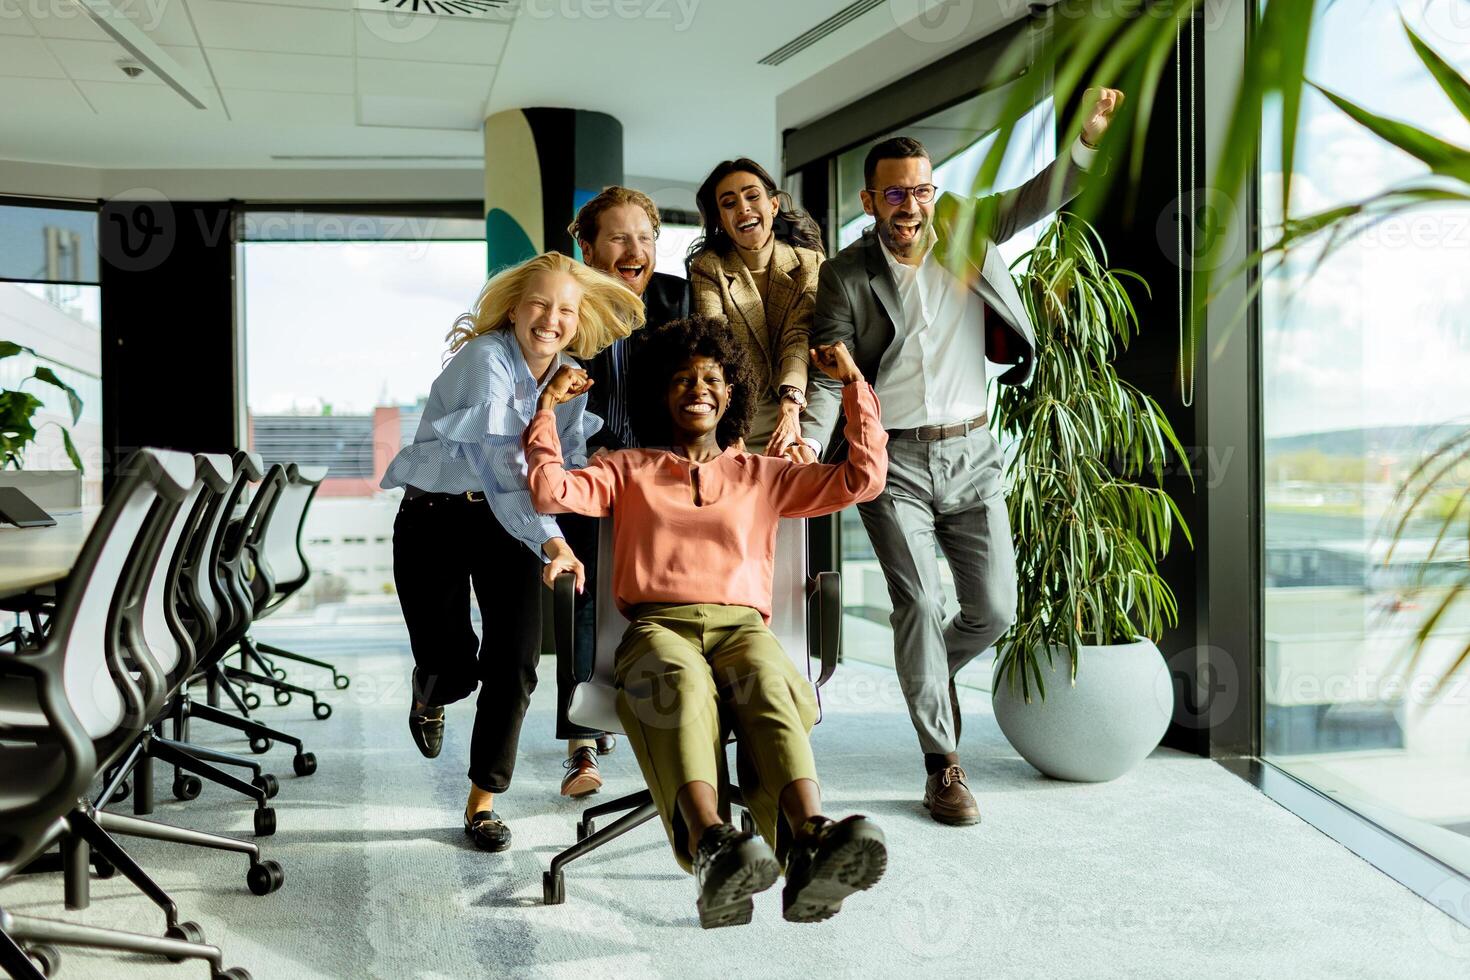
[553, 885]
[120, 773]
[28, 928]
[13, 959]
[320, 708]
[262, 877]
[212, 755]
[618, 805]
[252, 728]
[339, 680]
[82, 824]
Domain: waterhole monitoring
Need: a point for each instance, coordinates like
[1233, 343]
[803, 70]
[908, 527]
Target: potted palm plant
[1081, 690]
[52, 489]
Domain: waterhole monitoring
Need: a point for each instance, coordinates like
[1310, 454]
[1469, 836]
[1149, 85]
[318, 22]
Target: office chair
[806, 616]
[282, 568]
[214, 608]
[65, 699]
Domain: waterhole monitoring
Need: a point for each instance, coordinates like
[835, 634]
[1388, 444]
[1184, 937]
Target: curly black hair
[665, 349]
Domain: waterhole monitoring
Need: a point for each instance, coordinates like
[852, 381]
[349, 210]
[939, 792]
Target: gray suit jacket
[857, 301]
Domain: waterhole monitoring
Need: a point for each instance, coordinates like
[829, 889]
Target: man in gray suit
[924, 336]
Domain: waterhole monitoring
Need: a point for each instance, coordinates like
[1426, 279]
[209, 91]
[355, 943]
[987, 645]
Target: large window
[344, 321]
[50, 302]
[1365, 362]
[958, 139]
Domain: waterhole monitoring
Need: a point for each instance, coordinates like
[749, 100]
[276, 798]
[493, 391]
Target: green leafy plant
[1087, 461]
[18, 411]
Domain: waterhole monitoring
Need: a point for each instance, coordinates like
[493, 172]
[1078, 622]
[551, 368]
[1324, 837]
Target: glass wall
[1365, 361]
[958, 138]
[50, 302]
[344, 320]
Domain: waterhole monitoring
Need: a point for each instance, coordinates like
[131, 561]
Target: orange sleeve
[812, 489]
[557, 490]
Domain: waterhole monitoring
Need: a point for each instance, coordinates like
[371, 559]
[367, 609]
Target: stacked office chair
[245, 559]
[281, 566]
[77, 699]
[216, 607]
[806, 616]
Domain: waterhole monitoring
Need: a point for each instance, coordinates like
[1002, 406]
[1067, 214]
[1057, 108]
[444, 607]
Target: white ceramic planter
[1100, 727]
[52, 490]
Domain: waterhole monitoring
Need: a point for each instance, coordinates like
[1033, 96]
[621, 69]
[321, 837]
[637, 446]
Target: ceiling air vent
[837, 21]
[494, 9]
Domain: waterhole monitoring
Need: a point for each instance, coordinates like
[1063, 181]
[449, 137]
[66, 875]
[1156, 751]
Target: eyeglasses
[896, 195]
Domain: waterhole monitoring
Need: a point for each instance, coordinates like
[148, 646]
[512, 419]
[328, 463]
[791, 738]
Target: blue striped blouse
[470, 435]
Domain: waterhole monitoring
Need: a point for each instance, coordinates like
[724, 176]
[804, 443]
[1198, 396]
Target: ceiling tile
[148, 103]
[423, 79]
[309, 4]
[285, 109]
[96, 61]
[415, 112]
[269, 27]
[164, 21]
[429, 38]
[48, 103]
[27, 57]
[13, 18]
[273, 71]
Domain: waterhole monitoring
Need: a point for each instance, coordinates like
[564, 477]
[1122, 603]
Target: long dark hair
[665, 349]
[792, 225]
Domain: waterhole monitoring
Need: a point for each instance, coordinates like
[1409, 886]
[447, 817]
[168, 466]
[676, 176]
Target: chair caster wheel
[123, 789]
[251, 699]
[187, 787]
[283, 698]
[267, 781]
[265, 877]
[747, 822]
[553, 888]
[322, 710]
[584, 829]
[233, 973]
[265, 821]
[103, 867]
[304, 764]
[260, 744]
[46, 958]
[340, 681]
[279, 673]
[189, 932]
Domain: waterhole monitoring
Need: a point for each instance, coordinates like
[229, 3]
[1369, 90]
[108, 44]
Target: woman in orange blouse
[694, 530]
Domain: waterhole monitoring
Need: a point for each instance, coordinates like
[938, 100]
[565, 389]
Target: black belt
[473, 496]
[933, 433]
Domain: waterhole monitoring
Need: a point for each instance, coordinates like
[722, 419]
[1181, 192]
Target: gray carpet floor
[1178, 868]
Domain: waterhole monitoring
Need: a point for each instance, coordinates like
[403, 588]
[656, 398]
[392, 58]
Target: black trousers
[442, 543]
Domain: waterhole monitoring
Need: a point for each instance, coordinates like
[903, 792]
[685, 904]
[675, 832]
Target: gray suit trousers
[947, 493]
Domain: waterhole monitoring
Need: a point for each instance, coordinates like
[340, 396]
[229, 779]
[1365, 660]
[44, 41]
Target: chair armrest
[824, 621]
[564, 621]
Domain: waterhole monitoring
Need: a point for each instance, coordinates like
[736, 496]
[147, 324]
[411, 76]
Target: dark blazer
[665, 299]
[857, 300]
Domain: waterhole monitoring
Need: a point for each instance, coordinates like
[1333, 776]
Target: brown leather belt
[414, 493]
[934, 433]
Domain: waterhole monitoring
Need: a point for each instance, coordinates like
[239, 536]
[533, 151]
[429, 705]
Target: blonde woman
[755, 264]
[467, 515]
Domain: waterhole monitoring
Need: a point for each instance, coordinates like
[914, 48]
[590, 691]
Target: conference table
[34, 556]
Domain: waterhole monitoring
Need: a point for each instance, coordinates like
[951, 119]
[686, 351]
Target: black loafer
[830, 862]
[488, 831]
[427, 729]
[729, 867]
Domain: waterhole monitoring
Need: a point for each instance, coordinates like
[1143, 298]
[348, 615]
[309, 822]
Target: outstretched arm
[555, 489]
[811, 489]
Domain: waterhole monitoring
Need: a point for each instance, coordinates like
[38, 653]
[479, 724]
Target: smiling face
[545, 320]
[698, 397]
[904, 227]
[625, 246]
[747, 212]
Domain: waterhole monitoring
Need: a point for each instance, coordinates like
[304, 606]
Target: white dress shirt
[934, 371]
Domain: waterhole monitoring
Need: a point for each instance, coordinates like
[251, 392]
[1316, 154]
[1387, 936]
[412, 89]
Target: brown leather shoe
[582, 778]
[948, 799]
